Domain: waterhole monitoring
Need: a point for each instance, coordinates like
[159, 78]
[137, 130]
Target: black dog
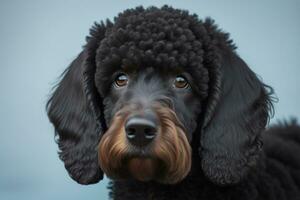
[160, 101]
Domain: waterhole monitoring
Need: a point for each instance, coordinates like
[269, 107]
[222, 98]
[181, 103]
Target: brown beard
[167, 158]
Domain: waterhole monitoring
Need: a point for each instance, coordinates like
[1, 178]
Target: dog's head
[148, 86]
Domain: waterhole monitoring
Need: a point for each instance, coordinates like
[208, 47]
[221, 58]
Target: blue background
[40, 38]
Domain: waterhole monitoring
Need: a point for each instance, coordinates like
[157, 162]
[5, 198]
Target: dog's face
[144, 91]
[151, 116]
[132, 102]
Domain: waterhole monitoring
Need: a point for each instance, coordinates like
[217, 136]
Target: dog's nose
[140, 131]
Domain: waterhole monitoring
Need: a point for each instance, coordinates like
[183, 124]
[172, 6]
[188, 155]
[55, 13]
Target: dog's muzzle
[146, 145]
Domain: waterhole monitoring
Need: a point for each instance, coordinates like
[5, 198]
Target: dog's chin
[143, 169]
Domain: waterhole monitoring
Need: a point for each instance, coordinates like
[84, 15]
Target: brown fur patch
[168, 158]
[142, 169]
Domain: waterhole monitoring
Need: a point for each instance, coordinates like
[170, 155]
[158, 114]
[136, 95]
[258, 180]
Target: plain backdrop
[38, 39]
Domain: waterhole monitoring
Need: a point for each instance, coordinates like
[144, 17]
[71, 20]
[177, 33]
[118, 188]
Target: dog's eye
[181, 82]
[121, 80]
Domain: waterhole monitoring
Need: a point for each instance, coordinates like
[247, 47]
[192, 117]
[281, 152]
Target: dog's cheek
[192, 111]
[109, 109]
[187, 114]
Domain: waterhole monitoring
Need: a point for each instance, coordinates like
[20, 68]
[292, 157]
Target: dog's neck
[132, 189]
[198, 187]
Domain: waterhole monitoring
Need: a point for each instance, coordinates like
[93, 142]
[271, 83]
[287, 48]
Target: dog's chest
[127, 190]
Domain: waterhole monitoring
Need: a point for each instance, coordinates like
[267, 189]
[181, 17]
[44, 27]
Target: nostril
[149, 133]
[130, 132]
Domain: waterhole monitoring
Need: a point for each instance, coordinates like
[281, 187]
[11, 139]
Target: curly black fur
[233, 156]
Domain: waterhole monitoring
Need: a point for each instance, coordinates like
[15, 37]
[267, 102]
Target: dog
[160, 102]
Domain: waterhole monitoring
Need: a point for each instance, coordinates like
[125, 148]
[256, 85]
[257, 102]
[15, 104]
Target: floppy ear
[236, 114]
[75, 110]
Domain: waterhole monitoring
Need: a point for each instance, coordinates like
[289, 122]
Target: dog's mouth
[143, 169]
[167, 159]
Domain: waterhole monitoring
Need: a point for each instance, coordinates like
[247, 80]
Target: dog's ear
[75, 109]
[236, 113]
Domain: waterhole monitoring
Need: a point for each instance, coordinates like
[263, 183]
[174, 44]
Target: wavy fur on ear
[75, 110]
[238, 112]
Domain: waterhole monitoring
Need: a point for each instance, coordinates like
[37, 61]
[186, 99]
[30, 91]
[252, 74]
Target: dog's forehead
[163, 71]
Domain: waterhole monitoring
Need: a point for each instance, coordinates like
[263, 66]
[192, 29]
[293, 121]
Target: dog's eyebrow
[166, 69]
[129, 68]
[178, 70]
